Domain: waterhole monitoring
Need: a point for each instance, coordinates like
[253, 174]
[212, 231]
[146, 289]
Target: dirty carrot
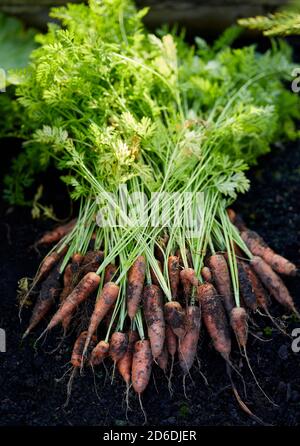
[221, 276]
[206, 274]
[239, 324]
[125, 363]
[214, 318]
[136, 278]
[154, 316]
[246, 289]
[56, 234]
[110, 273]
[273, 283]
[175, 317]
[259, 247]
[154, 279]
[99, 353]
[76, 358]
[188, 345]
[141, 365]
[67, 289]
[118, 345]
[173, 272]
[162, 359]
[188, 279]
[91, 262]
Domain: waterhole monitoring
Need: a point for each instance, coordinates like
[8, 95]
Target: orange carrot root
[239, 324]
[118, 346]
[141, 366]
[188, 279]
[246, 288]
[77, 353]
[136, 278]
[91, 262]
[99, 353]
[124, 364]
[154, 316]
[188, 345]
[206, 274]
[221, 276]
[110, 273]
[56, 234]
[175, 317]
[173, 271]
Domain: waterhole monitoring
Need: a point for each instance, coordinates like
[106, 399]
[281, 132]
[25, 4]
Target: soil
[30, 393]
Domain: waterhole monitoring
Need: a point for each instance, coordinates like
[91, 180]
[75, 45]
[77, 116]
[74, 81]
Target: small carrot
[110, 273]
[188, 345]
[162, 359]
[77, 259]
[77, 353]
[173, 271]
[245, 284]
[221, 277]
[46, 266]
[154, 279]
[206, 274]
[125, 363]
[57, 233]
[105, 301]
[258, 247]
[50, 290]
[99, 353]
[91, 262]
[136, 278]
[85, 288]
[141, 365]
[214, 318]
[273, 283]
[154, 316]
[118, 345]
[239, 324]
[175, 317]
[258, 289]
[188, 279]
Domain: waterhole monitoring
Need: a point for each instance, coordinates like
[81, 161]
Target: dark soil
[31, 395]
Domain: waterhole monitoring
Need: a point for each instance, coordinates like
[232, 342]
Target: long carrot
[214, 318]
[259, 247]
[239, 324]
[188, 345]
[76, 358]
[188, 279]
[106, 299]
[68, 287]
[141, 365]
[118, 345]
[99, 353]
[273, 283]
[246, 289]
[71, 279]
[124, 364]
[173, 271]
[175, 317]
[50, 290]
[221, 276]
[57, 233]
[81, 292]
[154, 316]
[136, 278]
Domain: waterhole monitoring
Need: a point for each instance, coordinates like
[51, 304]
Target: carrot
[68, 277]
[221, 277]
[258, 289]
[258, 247]
[273, 283]
[125, 363]
[154, 316]
[245, 284]
[236, 219]
[206, 274]
[136, 278]
[105, 301]
[46, 266]
[77, 353]
[77, 259]
[173, 271]
[188, 279]
[49, 292]
[91, 262]
[154, 279]
[239, 324]
[110, 272]
[118, 345]
[162, 359]
[85, 288]
[175, 317]
[171, 341]
[214, 318]
[57, 233]
[188, 345]
[99, 353]
[141, 365]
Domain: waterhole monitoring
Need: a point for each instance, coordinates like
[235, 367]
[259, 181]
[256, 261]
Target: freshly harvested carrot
[258, 289]
[99, 353]
[68, 287]
[245, 284]
[118, 345]
[188, 279]
[105, 301]
[239, 324]
[162, 359]
[141, 365]
[77, 259]
[46, 266]
[91, 262]
[154, 316]
[154, 279]
[273, 283]
[77, 353]
[175, 317]
[81, 292]
[221, 276]
[188, 345]
[171, 341]
[206, 274]
[259, 247]
[214, 318]
[50, 290]
[236, 219]
[125, 363]
[173, 271]
[57, 233]
[136, 278]
[110, 272]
